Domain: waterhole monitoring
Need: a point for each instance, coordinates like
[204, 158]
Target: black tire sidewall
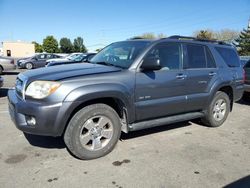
[76, 123]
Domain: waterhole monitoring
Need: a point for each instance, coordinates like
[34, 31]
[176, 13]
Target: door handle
[212, 73]
[181, 76]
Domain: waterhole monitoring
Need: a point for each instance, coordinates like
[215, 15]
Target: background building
[18, 49]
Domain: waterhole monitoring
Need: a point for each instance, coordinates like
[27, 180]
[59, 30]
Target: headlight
[41, 89]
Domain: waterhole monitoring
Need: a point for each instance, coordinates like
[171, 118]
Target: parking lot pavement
[179, 155]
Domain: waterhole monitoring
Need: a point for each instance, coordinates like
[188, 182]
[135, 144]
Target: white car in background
[6, 64]
[66, 58]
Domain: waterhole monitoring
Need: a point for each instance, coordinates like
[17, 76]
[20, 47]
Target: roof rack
[179, 37]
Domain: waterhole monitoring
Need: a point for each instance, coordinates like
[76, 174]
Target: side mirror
[151, 63]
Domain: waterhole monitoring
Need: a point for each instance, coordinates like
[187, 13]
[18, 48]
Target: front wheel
[218, 110]
[93, 131]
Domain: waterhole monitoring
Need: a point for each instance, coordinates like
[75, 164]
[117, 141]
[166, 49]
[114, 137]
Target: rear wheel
[218, 110]
[29, 66]
[93, 131]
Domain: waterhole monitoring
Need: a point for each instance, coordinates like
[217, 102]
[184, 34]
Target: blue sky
[101, 22]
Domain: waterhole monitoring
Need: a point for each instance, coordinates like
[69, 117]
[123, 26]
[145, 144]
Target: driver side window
[169, 55]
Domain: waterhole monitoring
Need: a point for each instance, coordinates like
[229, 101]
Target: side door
[162, 92]
[201, 72]
[40, 60]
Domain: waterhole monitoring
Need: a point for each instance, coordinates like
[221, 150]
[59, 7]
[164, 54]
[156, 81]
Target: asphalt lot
[179, 155]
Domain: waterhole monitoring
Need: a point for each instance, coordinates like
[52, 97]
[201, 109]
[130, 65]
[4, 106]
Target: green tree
[204, 34]
[38, 47]
[66, 45]
[79, 45]
[50, 44]
[243, 42]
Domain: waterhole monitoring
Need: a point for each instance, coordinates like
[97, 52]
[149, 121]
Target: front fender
[97, 91]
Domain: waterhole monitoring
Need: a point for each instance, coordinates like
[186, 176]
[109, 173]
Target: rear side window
[196, 57]
[229, 56]
[210, 59]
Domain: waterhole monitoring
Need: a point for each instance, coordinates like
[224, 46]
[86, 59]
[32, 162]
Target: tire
[218, 110]
[93, 131]
[29, 66]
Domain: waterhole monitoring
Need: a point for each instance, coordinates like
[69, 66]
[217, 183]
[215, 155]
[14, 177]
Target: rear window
[229, 56]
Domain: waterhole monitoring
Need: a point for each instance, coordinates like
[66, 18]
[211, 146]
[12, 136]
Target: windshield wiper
[104, 63]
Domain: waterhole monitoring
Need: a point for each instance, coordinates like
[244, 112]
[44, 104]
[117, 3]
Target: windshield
[120, 54]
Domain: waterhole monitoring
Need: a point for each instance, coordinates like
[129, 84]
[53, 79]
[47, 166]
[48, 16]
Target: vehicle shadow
[45, 141]
[154, 130]
[10, 73]
[57, 142]
[242, 183]
[245, 101]
[3, 92]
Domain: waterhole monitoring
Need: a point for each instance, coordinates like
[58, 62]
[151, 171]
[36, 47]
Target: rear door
[201, 72]
[162, 92]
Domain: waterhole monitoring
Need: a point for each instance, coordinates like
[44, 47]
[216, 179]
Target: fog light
[31, 121]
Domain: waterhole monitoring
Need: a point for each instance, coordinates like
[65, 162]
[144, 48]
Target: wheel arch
[226, 88]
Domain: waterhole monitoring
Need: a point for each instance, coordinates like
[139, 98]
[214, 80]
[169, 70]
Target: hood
[62, 62]
[68, 71]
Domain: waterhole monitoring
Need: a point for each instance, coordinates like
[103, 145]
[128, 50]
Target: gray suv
[128, 86]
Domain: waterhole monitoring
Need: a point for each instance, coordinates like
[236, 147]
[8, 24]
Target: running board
[164, 121]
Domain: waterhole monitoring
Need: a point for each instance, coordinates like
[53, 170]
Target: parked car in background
[1, 81]
[64, 58]
[6, 64]
[36, 61]
[86, 57]
[247, 79]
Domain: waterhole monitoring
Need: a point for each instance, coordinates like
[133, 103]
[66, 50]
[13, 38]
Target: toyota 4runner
[128, 86]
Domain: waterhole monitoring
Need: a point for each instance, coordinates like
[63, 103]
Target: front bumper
[46, 115]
